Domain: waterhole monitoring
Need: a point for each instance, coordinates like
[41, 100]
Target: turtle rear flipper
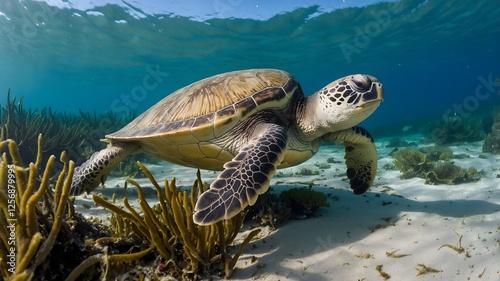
[94, 171]
[360, 157]
[243, 178]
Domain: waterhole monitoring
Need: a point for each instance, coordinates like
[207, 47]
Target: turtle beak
[376, 91]
[371, 92]
[369, 87]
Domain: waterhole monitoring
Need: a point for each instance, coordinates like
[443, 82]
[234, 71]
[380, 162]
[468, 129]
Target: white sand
[349, 239]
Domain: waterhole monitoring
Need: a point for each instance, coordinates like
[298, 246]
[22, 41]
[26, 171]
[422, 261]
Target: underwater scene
[249, 140]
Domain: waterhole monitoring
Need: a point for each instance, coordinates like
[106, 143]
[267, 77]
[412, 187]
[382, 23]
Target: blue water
[431, 56]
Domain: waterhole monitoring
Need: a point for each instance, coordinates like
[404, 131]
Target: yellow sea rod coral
[24, 243]
[187, 250]
[36, 234]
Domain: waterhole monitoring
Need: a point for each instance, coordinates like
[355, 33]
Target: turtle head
[345, 102]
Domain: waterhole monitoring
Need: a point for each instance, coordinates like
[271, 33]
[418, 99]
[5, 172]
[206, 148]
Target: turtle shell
[210, 107]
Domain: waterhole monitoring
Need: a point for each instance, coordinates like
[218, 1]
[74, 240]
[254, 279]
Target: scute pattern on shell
[202, 98]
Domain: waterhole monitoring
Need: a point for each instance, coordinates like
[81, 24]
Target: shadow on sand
[346, 221]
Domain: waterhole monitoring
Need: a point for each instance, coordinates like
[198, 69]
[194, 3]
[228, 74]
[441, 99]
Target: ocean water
[433, 57]
[436, 59]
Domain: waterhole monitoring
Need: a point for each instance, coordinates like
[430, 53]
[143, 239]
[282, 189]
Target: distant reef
[78, 135]
[492, 140]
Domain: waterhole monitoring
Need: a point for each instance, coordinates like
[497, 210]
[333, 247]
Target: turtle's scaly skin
[247, 123]
[239, 185]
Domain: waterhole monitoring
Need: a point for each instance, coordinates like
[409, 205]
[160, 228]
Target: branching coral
[36, 235]
[189, 250]
[457, 129]
[24, 243]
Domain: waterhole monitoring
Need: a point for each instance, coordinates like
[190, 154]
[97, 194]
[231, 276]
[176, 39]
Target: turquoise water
[431, 56]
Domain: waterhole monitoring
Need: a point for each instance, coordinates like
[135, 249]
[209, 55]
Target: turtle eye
[360, 83]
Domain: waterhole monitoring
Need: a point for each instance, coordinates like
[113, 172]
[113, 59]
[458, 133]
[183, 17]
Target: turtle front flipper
[360, 157]
[94, 171]
[243, 178]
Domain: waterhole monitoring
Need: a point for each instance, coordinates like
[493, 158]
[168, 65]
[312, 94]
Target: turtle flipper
[94, 171]
[360, 157]
[243, 178]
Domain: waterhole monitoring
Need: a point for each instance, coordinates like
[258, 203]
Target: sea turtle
[247, 124]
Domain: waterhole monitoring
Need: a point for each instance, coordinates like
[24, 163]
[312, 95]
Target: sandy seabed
[400, 229]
